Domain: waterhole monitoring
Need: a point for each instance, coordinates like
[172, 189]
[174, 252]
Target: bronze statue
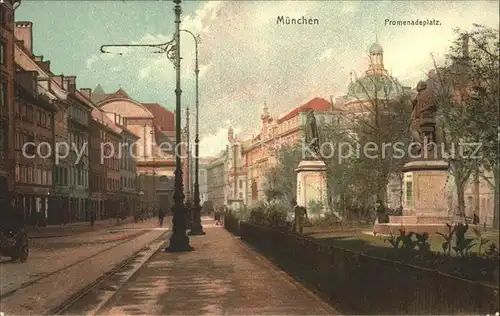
[423, 116]
[312, 134]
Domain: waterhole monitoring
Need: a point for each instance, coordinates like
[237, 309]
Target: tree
[468, 97]
[378, 122]
[281, 180]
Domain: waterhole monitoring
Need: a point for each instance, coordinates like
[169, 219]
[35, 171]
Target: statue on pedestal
[423, 118]
[312, 136]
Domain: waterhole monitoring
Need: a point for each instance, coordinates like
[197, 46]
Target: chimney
[87, 93]
[23, 32]
[70, 83]
[27, 80]
[465, 46]
[38, 59]
[58, 80]
[45, 65]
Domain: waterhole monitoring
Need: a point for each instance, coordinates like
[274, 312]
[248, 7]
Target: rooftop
[316, 104]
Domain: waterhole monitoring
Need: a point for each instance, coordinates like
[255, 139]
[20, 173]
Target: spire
[98, 90]
[265, 112]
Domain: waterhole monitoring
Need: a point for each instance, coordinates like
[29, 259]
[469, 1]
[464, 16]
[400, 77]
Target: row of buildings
[237, 176]
[65, 151]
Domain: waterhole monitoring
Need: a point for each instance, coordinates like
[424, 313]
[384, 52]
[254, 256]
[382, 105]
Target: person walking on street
[92, 217]
[161, 216]
[300, 215]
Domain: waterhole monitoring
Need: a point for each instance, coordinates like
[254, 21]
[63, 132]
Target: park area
[465, 252]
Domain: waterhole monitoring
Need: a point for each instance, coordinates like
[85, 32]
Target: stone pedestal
[425, 190]
[311, 183]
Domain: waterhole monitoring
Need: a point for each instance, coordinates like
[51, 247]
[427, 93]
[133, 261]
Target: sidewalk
[73, 228]
[222, 276]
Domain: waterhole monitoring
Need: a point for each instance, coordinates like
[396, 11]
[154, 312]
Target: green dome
[374, 86]
[376, 49]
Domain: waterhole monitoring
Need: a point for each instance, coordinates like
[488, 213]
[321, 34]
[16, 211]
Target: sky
[246, 58]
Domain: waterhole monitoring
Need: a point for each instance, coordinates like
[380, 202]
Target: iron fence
[231, 224]
[367, 284]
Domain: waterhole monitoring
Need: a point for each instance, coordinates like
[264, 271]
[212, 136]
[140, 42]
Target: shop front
[33, 201]
[97, 201]
[59, 206]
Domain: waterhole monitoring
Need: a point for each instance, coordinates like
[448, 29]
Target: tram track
[65, 307]
[67, 267]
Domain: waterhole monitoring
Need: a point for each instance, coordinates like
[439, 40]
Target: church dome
[375, 86]
[375, 48]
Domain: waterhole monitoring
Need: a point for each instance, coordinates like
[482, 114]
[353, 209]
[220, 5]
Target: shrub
[315, 208]
[276, 214]
[257, 214]
[328, 220]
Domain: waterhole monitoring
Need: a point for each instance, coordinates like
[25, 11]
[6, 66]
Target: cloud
[246, 59]
[212, 144]
[327, 54]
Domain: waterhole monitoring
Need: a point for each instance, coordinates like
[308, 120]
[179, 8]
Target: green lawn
[355, 239]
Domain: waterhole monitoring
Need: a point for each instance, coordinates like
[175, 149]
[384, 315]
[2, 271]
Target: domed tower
[376, 54]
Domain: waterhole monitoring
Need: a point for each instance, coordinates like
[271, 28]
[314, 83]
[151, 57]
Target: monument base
[425, 198]
[425, 189]
[311, 185]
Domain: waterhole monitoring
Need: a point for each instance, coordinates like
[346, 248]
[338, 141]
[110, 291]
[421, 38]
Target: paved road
[59, 267]
[221, 276]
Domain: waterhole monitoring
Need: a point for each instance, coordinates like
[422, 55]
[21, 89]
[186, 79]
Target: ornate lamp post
[179, 241]
[196, 227]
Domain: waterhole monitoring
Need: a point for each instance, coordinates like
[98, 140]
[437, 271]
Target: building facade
[203, 179]
[217, 180]
[111, 158]
[52, 87]
[7, 70]
[97, 183]
[128, 169]
[79, 138]
[34, 140]
[61, 182]
[236, 177]
[155, 161]
[258, 152]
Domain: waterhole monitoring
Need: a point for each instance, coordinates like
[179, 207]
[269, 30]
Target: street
[74, 261]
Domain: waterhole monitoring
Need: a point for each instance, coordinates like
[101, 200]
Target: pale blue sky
[247, 59]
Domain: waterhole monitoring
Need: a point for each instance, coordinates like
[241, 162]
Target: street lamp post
[196, 227]
[179, 241]
[188, 157]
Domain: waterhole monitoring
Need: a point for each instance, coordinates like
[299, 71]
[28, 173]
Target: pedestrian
[161, 216]
[92, 217]
[34, 218]
[382, 216]
[475, 219]
[300, 216]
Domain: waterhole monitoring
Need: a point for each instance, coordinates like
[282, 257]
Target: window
[241, 184]
[2, 53]
[18, 173]
[409, 193]
[3, 94]
[2, 140]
